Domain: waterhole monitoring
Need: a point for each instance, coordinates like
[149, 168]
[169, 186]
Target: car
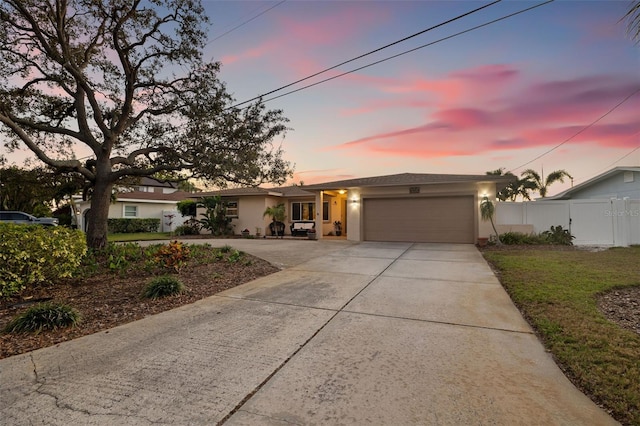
[22, 218]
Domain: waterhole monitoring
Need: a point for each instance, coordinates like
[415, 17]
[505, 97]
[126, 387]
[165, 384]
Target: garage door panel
[427, 219]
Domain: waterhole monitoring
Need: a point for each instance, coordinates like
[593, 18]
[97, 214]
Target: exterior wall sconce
[354, 201]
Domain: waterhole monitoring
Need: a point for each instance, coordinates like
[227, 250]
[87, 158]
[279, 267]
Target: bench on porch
[300, 227]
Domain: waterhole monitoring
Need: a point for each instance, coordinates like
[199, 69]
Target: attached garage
[447, 219]
[411, 207]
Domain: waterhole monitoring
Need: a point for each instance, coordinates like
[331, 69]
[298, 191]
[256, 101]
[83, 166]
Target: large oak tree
[127, 79]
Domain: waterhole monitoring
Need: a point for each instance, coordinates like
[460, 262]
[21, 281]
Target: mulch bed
[111, 299]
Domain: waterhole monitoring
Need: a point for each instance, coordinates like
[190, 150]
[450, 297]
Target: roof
[565, 195]
[153, 196]
[408, 179]
[283, 191]
[147, 181]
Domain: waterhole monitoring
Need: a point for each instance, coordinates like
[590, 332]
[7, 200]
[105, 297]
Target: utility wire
[580, 131]
[245, 22]
[619, 159]
[405, 52]
[368, 53]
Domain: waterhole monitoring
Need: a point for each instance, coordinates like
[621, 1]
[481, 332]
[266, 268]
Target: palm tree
[487, 210]
[633, 21]
[519, 187]
[538, 183]
[278, 216]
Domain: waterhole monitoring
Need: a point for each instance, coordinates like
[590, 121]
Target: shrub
[163, 286]
[187, 207]
[559, 236]
[517, 238]
[189, 227]
[128, 226]
[173, 255]
[235, 256]
[43, 316]
[33, 254]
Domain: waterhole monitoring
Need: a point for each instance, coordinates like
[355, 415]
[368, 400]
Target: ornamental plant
[44, 316]
[173, 255]
[166, 285]
[33, 254]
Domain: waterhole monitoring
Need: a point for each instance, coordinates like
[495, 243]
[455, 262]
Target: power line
[245, 22]
[580, 131]
[369, 53]
[405, 52]
[621, 158]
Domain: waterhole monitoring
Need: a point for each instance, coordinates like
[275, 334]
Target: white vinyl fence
[592, 222]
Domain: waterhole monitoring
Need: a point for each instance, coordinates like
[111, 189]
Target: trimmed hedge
[128, 226]
[30, 254]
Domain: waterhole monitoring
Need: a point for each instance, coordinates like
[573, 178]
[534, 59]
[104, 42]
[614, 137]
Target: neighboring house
[604, 210]
[403, 207]
[148, 199]
[618, 183]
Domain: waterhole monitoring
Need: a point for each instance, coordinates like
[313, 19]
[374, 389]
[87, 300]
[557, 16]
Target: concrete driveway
[373, 333]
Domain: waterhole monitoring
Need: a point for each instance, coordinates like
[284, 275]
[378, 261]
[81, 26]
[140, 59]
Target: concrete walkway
[373, 333]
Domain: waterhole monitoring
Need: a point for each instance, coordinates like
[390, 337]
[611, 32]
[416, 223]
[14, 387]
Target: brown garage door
[427, 219]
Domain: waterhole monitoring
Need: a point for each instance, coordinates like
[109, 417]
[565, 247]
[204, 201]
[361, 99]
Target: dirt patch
[107, 300]
[622, 306]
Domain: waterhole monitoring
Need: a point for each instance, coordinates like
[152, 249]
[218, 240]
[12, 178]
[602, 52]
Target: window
[303, 211]
[325, 211]
[232, 208]
[130, 211]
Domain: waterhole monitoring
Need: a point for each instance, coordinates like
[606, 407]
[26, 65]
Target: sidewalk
[374, 333]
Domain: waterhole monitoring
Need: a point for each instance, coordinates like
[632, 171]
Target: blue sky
[496, 97]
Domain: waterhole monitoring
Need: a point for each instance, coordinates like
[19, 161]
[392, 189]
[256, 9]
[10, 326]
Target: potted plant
[278, 216]
[337, 227]
[311, 234]
[245, 233]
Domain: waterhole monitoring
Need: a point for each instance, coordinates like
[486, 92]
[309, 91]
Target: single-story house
[402, 207]
[618, 183]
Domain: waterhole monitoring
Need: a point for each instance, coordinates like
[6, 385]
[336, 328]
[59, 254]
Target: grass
[557, 291]
[140, 236]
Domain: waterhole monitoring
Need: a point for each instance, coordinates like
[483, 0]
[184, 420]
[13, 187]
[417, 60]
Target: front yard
[573, 299]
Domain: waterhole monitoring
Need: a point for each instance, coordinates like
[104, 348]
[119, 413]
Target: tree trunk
[498, 242]
[100, 202]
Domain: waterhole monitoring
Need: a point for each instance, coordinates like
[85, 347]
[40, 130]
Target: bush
[163, 286]
[518, 238]
[187, 207]
[33, 254]
[559, 236]
[189, 227]
[173, 255]
[128, 226]
[43, 316]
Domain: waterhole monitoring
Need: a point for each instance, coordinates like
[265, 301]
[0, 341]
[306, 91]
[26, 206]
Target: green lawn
[556, 291]
[141, 236]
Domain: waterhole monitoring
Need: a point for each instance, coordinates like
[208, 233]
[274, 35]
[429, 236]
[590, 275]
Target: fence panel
[592, 222]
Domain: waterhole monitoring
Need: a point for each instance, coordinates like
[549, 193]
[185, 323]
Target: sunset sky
[498, 96]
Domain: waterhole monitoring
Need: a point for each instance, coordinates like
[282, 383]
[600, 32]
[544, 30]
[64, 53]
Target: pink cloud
[541, 114]
[259, 51]
[463, 118]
